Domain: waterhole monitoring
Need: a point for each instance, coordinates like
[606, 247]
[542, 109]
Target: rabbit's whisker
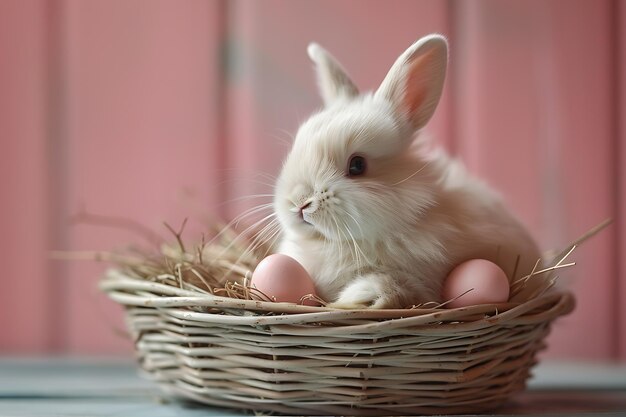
[412, 175]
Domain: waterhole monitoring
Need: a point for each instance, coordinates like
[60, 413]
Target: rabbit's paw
[366, 291]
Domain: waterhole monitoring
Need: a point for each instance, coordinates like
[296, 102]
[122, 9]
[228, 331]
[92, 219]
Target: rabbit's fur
[387, 238]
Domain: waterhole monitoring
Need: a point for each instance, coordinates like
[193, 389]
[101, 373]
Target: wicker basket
[296, 359]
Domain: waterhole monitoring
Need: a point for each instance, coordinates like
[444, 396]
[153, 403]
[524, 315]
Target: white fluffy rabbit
[376, 218]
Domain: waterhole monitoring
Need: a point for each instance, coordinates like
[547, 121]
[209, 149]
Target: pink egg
[282, 277]
[487, 280]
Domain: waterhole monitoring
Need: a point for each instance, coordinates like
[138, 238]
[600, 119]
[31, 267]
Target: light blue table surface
[46, 387]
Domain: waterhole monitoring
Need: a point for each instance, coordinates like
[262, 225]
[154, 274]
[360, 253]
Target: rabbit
[374, 214]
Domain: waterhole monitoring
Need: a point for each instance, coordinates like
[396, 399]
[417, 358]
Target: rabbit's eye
[356, 166]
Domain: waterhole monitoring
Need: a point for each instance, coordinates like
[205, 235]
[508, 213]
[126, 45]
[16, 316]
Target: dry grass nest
[222, 265]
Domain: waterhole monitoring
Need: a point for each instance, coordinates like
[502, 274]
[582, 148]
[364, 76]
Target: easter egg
[284, 279]
[487, 281]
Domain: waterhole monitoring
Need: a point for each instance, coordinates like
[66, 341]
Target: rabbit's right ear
[415, 81]
[332, 79]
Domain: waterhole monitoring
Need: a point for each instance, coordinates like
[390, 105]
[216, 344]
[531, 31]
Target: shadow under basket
[295, 359]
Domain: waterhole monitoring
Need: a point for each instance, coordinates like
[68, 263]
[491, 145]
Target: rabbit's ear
[333, 81]
[415, 81]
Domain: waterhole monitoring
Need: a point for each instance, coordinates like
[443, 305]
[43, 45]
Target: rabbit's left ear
[415, 81]
[333, 80]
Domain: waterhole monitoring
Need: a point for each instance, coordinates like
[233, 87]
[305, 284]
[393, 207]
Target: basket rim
[136, 292]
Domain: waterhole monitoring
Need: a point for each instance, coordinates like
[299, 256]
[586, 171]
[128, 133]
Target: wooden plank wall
[23, 187]
[619, 113]
[136, 101]
[156, 110]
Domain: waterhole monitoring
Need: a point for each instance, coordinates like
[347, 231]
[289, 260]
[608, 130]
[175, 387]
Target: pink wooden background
[157, 110]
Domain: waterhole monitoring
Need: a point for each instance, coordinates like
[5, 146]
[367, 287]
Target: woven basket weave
[296, 359]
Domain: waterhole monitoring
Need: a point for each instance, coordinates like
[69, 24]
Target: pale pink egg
[282, 277]
[487, 281]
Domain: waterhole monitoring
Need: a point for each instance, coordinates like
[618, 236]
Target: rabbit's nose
[303, 207]
[306, 205]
